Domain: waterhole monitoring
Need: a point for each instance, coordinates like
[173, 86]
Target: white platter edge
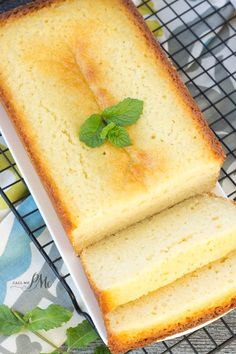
[89, 302]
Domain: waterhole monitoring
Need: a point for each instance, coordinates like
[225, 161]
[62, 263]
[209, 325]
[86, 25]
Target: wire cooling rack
[200, 38]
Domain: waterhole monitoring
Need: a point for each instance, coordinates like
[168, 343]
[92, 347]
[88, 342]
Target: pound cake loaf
[160, 249]
[96, 192]
[184, 304]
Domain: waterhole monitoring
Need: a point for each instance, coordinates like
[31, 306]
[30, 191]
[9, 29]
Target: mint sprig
[52, 317]
[110, 124]
[107, 129]
[80, 336]
[119, 137]
[12, 322]
[125, 113]
[90, 131]
[9, 323]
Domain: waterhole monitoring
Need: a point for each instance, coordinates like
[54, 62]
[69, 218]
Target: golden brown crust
[26, 9]
[214, 144]
[34, 154]
[118, 343]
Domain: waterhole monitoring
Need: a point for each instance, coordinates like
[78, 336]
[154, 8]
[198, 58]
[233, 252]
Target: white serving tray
[54, 225]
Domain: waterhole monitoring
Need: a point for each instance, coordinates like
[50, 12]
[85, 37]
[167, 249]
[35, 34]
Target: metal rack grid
[220, 111]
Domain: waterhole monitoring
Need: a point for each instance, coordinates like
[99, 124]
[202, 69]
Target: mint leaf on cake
[107, 129]
[109, 125]
[125, 113]
[119, 137]
[90, 131]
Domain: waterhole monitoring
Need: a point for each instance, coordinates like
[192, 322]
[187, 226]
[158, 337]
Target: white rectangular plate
[53, 223]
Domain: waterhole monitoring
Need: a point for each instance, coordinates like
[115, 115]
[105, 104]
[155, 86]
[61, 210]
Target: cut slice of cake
[184, 304]
[97, 192]
[160, 249]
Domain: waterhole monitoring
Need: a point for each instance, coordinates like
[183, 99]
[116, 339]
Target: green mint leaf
[80, 336]
[106, 130]
[90, 131]
[102, 350]
[124, 113]
[52, 317]
[9, 323]
[119, 137]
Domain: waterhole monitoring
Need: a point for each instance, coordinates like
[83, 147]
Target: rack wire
[218, 102]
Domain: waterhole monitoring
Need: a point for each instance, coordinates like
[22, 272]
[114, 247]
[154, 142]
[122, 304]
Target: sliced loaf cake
[160, 249]
[186, 303]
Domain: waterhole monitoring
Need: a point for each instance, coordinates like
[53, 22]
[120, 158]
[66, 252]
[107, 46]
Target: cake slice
[97, 192]
[160, 249]
[191, 301]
